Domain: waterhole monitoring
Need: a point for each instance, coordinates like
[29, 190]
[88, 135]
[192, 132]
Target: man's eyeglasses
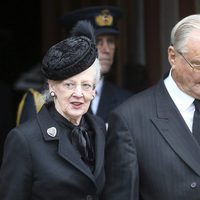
[194, 67]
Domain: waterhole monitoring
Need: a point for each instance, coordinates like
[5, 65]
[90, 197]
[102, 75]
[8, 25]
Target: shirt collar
[182, 100]
[99, 86]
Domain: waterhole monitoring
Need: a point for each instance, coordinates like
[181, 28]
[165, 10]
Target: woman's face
[73, 95]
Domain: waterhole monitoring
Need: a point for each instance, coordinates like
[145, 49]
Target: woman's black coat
[39, 165]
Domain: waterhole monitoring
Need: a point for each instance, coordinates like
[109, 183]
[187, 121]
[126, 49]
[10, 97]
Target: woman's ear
[93, 94]
[51, 85]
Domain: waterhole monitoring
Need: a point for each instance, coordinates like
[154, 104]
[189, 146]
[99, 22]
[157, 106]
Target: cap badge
[52, 131]
[104, 18]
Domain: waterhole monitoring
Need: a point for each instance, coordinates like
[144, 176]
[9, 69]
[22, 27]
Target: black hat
[72, 55]
[103, 18]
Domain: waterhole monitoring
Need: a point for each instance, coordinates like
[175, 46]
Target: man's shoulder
[114, 89]
[140, 99]
[95, 119]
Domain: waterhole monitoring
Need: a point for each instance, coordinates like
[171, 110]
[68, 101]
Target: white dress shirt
[183, 101]
[95, 101]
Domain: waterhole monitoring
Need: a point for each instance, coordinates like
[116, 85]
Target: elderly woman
[60, 154]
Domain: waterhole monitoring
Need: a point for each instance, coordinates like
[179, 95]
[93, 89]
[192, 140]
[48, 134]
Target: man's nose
[105, 46]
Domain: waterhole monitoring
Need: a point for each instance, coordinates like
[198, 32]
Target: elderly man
[155, 134]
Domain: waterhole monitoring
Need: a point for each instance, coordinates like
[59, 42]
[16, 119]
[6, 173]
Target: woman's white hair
[46, 93]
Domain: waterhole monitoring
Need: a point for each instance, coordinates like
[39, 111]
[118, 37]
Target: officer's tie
[196, 121]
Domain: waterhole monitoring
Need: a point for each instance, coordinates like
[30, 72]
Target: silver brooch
[52, 131]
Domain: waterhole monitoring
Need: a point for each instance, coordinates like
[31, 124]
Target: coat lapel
[99, 144]
[68, 152]
[107, 101]
[174, 129]
[65, 148]
[103, 103]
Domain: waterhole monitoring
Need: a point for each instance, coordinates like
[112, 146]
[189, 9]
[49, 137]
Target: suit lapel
[103, 102]
[106, 102]
[175, 131]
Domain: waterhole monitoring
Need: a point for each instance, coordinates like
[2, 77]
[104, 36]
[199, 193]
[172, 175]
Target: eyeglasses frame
[196, 69]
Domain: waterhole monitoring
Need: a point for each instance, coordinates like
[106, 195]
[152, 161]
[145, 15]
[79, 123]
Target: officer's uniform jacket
[111, 97]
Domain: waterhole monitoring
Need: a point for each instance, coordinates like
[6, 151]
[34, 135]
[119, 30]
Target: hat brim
[106, 31]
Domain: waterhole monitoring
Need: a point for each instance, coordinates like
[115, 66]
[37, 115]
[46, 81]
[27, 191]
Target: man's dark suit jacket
[111, 97]
[150, 152]
[37, 165]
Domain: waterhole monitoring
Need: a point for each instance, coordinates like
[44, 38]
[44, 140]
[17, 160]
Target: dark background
[29, 28]
[20, 37]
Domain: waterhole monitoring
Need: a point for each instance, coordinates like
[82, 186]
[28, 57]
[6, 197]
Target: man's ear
[171, 56]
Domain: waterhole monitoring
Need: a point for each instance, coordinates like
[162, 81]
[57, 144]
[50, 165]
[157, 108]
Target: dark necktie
[81, 141]
[196, 121]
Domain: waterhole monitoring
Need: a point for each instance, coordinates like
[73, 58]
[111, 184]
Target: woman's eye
[86, 86]
[69, 85]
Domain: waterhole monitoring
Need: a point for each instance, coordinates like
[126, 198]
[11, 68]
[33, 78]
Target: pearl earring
[52, 94]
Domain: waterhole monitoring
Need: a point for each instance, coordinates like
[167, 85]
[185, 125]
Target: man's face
[184, 65]
[106, 49]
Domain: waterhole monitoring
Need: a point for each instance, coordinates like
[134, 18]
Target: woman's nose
[78, 90]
